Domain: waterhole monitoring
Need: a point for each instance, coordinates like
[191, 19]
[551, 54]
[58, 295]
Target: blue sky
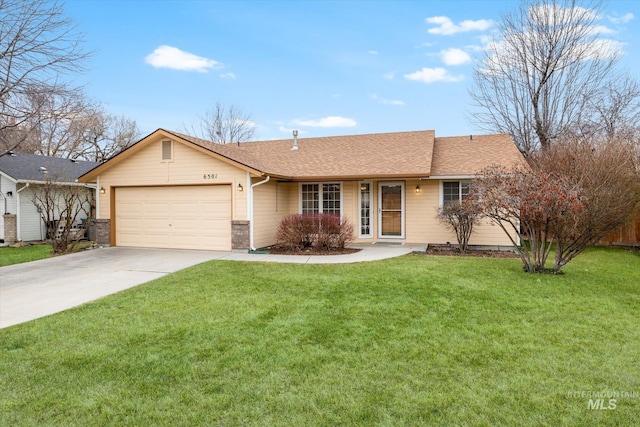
[322, 67]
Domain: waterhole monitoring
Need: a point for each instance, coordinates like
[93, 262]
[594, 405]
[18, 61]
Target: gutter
[250, 202]
[70, 183]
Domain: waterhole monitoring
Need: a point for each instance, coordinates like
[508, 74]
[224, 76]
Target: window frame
[460, 182]
[162, 150]
[371, 210]
[320, 196]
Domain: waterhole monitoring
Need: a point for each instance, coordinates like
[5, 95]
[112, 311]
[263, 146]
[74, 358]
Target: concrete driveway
[36, 289]
[39, 288]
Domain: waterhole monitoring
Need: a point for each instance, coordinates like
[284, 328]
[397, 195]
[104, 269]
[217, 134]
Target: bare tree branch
[225, 125]
[39, 46]
[546, 66]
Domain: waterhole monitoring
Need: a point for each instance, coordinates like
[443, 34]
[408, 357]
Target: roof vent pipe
[470, 137]
[295, 140]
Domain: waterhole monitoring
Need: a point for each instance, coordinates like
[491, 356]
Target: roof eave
[92, 175]
[366, 177]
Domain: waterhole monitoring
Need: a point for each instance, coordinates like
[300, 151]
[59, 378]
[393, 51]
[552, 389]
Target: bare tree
[102, 135]
[70, 126]
[38, 47]
[547, 65]
[51, 129]
[61, 206]
[225, 125]
[573, 195]
[613, 113]
[460, 217]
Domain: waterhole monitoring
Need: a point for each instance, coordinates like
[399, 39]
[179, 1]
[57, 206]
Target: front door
[391, 209]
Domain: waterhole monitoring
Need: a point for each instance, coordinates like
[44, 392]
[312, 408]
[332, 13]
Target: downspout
[251, 210]
[18, 228]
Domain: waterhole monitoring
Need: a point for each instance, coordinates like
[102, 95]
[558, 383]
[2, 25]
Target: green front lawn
[10, 255]
[414, 340]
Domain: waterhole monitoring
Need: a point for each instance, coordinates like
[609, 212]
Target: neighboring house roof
[416, 154]
[28, 167]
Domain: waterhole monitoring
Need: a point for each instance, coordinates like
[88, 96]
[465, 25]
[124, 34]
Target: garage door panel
[183, 217]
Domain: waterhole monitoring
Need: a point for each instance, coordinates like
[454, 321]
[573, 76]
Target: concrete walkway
[36, 289]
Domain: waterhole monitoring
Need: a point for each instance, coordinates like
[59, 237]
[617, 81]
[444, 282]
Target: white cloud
[373, 52]
[601, 29]
[605, 48]
[327, 122]
[228, 76]
[282, 128]
[455, 56]
[622, 19]
[386, 101]
[389, 76]
[432, 75]
[446, 27]
[171, 57]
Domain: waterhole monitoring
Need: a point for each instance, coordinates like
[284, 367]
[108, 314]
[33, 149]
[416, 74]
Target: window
[167, 152]
[453, 191]
[365, 209]
[310, 199]
[314, 201]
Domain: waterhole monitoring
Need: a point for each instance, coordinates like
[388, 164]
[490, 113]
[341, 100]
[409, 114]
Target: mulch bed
[280, 250]
[454, 251]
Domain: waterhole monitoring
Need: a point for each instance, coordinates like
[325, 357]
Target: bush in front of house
[321, 232]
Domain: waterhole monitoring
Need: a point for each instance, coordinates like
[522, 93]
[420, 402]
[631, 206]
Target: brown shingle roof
[230, 151]
[415, 154]
[461, 155]
[353, 156]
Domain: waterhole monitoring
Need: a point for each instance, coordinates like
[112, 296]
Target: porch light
[102, 190]
[9, 193]
[240, 187]
[417, 189]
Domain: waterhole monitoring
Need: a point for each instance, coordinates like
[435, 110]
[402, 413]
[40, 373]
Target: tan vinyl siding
[418, 211]
[422, 220]
[350, 203]
[272, 202]
[187, 167]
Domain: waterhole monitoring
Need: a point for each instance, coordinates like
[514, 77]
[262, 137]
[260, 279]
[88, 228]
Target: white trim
[441, 189]
[9, 177]
[97, 190]
[248, 187]
[371, 210]
[320, 200]
[452, 177]
[18, 227]
[250, 196]
[402, 208]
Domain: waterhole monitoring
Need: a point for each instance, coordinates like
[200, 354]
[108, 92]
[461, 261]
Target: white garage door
[181, 217]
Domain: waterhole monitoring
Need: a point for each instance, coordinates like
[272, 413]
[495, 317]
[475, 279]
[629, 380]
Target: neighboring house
[22, 174]
[171, 190]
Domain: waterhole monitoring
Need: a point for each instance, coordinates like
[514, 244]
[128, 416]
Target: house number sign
[210, 176]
